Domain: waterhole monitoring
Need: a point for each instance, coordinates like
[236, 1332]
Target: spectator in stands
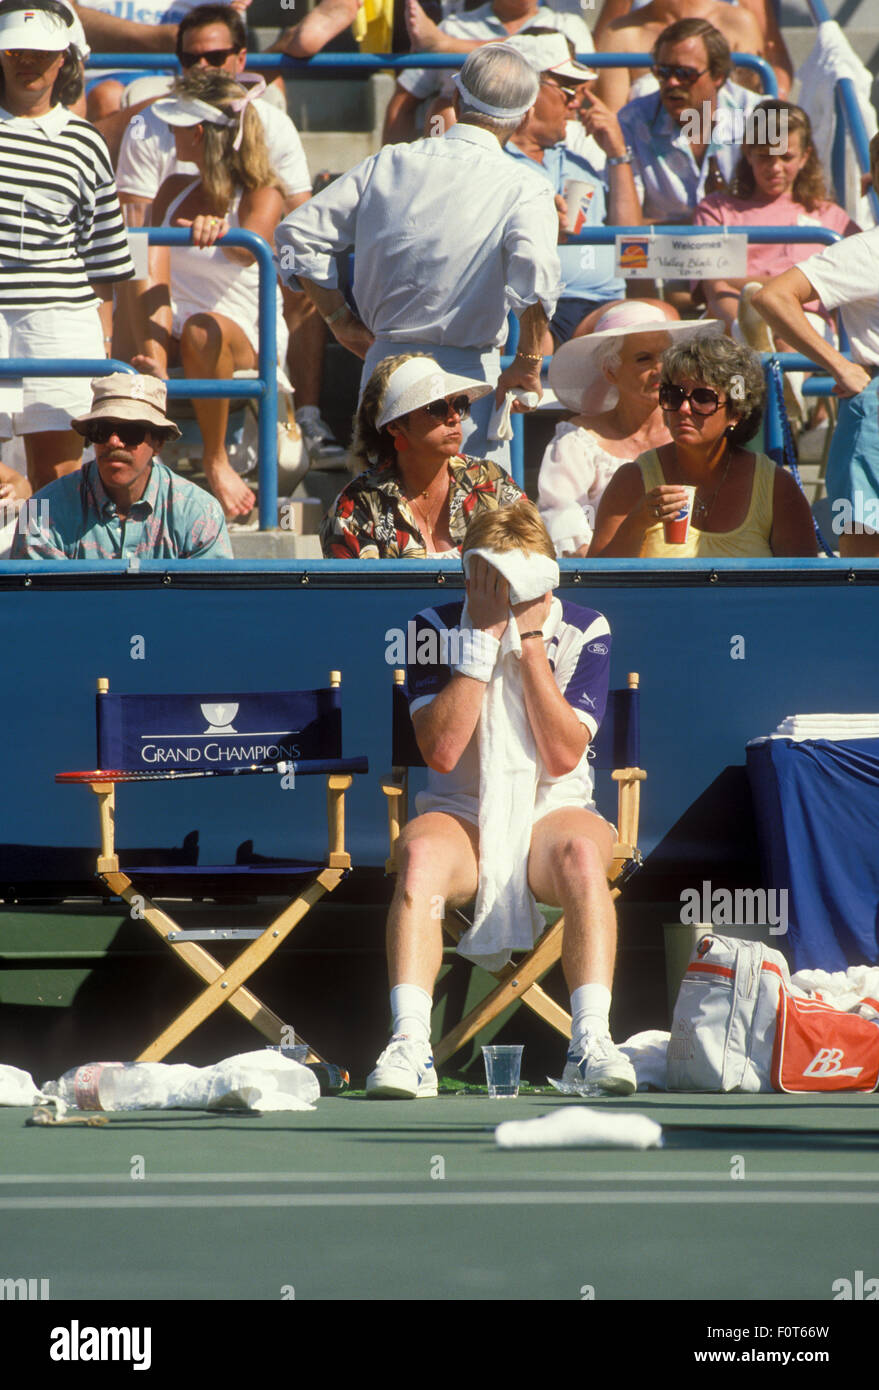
[509, 818]
[206, 311]
[610, 378]
[214, 37]
[460, 34]
[154, 31]
[125, 502]
[64, 244]
[779, 182]
[448, 236]
[711, 394]
[685, 140]
[844, 277]
[417, 491]
[600, 194]
[624, 26]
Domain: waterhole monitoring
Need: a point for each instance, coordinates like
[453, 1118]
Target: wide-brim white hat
[575, 373]
[420, 381]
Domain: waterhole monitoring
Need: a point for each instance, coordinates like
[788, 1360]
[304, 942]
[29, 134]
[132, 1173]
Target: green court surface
[761, 1197]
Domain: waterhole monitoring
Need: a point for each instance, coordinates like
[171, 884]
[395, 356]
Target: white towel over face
[507, 918]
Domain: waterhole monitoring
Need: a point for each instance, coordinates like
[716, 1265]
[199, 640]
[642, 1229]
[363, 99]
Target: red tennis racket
[172, 774]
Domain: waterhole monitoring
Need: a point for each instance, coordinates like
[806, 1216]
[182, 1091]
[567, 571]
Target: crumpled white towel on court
[579, 1127]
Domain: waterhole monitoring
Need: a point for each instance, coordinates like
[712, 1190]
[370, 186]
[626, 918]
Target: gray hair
[728, 367]
[497, 76]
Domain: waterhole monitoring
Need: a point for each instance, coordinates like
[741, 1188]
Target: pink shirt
[723, 210]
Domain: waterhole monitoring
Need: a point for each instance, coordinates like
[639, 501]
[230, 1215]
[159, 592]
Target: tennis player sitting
[503, 710]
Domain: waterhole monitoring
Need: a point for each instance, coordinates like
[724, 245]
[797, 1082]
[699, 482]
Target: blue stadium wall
[724, 652]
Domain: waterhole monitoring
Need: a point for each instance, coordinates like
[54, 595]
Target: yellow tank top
[748, 541]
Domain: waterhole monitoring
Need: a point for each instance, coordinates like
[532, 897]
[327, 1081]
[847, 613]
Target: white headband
[504, 112]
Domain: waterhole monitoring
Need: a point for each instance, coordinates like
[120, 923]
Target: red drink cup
[677, 528]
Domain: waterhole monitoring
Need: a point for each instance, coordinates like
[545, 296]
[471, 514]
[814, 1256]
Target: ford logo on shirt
[599, 648]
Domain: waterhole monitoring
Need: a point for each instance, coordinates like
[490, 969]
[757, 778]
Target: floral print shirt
[371, 518]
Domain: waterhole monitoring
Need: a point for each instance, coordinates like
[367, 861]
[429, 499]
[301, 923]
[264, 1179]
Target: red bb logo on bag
[818, 1048]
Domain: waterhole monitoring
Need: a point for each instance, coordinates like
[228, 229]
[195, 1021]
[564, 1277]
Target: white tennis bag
[741, 1025]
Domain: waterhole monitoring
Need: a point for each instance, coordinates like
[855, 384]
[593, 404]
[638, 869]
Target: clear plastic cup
[503, 1063]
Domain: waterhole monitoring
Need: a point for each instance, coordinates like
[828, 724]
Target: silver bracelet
[336, 314]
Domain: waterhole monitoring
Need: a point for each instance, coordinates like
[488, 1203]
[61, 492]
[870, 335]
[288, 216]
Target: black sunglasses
[703, 401]
[131, 433]
[216, 57]
[440, 409]
[663, 71]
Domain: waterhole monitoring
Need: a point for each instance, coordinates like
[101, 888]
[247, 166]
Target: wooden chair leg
[514, 982]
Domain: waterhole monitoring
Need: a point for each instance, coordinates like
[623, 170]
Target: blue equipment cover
[817, 811]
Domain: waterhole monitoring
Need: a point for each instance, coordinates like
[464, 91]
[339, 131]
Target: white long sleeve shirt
[448, 235]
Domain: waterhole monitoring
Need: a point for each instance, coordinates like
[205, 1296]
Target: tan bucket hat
[127, 396]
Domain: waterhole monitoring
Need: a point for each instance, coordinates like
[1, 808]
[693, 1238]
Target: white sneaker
[322, 449]
[404, 1071]
[596, 1064]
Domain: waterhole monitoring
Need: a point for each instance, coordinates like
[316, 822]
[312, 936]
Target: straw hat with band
[43, 31]
[126, 396]
[575, 372]
[420, 381]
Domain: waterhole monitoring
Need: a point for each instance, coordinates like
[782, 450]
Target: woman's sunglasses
[703, 401]
[440, 409]
[130, 433]
[216, 58]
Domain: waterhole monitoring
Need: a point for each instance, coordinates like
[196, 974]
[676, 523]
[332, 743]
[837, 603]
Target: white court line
[438, 1199]
[358, 1179]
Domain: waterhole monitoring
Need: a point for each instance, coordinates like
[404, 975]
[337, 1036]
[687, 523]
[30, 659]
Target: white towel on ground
[506, 916]
[579, 1127]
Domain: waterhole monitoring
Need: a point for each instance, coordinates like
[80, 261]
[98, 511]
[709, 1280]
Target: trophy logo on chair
[219, 718]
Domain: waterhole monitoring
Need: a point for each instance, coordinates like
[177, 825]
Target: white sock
[411, 1009]
[590, 1011]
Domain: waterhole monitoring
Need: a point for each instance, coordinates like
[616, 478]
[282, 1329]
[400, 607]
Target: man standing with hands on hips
[448, 235]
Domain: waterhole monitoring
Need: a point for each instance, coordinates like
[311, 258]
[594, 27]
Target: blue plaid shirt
[75, 519]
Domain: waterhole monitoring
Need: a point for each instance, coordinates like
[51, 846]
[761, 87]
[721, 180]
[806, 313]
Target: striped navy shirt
[578, 653]
[60, 220]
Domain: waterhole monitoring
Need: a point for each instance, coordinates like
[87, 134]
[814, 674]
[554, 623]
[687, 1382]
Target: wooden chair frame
[519, 981]
[224, 985]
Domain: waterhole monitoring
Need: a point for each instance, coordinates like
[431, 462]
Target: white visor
[37, 31]
[186, 111]
[420, 381]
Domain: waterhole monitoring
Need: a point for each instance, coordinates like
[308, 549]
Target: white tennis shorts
[48, 402]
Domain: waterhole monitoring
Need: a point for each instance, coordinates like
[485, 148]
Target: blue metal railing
[365, 63]
[264, 387]
[848, 120]
[604, 236]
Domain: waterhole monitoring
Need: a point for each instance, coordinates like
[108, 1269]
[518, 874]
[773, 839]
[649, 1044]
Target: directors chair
[168, 738]
[617, 749]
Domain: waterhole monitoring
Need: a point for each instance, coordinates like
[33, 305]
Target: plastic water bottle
[103, 1086]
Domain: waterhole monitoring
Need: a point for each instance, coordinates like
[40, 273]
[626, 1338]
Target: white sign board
[664, 256]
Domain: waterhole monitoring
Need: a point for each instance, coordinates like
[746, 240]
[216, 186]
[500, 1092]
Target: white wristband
[477, 654]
